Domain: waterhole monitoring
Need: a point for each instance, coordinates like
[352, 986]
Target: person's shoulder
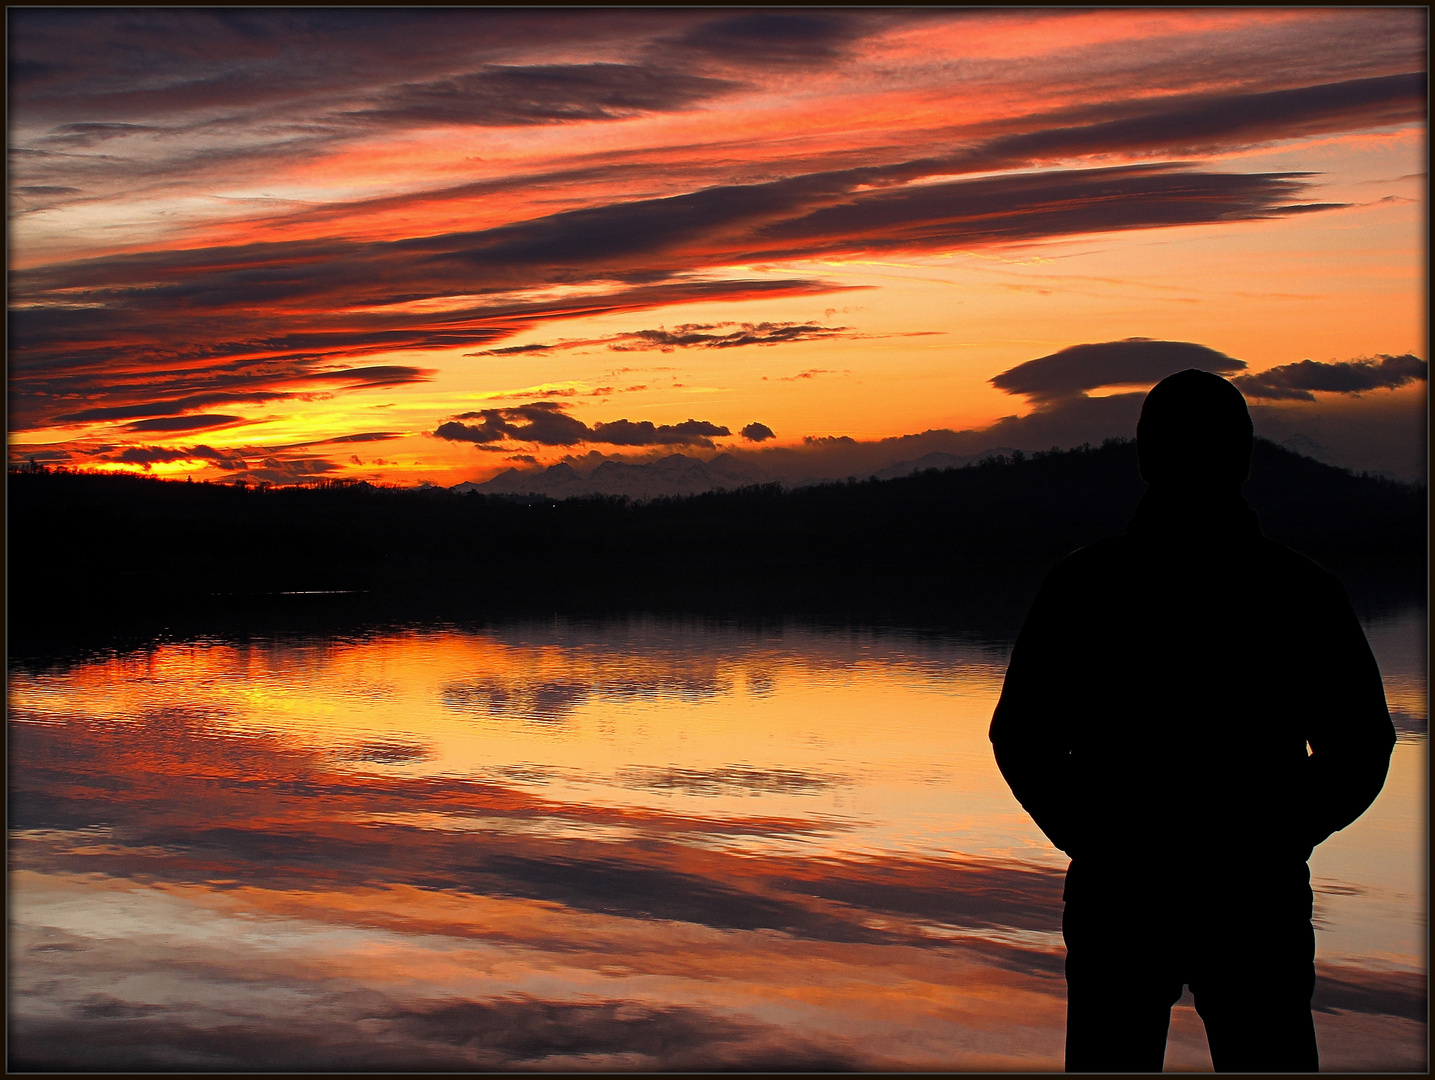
[1108, 551]
[1093, 562]
[1278, 558]
[1287, 569]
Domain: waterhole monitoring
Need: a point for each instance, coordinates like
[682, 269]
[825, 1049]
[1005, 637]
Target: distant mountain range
[679, 474]
[676, 474]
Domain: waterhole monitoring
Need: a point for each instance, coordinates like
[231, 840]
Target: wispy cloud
[130, 362]
[502, 96]
[688, 336]
[217, 212]
[1196, 123]
[277, 312]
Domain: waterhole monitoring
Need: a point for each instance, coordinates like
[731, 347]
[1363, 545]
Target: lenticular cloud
[1132, 362]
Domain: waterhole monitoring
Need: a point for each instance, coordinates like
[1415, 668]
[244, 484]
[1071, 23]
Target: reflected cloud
[1346, 988]
[492, 1034]
[166, 799]
[1410, 728]
[545, 702]
[389, 753]
[525, 1030]
[206, 877]
[732, 778]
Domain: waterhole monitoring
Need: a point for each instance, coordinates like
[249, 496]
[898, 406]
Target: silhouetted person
[1155, 722]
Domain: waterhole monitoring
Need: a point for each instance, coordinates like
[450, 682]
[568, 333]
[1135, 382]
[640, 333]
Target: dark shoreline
[99, 560]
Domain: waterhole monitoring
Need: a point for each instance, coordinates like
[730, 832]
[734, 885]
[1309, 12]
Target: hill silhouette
[90, 553]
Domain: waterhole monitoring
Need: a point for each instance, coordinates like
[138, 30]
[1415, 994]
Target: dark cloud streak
[184, 423]
[687, 336]
[1196, 122]
[176, 407]
[502, 96]
[131, 361]
[1300, 381]
[545, 423]
[694, 336]
[153, 455]
[783, 38]
[1029, 207]
[798, 218]
[108, 97]
[325, 289]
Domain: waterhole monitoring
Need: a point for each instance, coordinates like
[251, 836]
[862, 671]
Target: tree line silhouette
[90, 551]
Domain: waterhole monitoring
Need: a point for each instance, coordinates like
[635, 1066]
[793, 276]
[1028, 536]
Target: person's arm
[1349, 731]
[1027, 733]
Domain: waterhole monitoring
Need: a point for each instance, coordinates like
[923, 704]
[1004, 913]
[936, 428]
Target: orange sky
[291, 245]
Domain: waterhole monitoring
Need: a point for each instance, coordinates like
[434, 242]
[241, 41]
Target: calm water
[641, 844]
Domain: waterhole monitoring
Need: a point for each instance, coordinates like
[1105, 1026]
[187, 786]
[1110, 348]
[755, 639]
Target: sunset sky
[429, 245]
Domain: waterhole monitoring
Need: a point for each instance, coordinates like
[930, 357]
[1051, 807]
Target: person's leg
[1120, 987]
[1255, 1002]
[1116, 1028]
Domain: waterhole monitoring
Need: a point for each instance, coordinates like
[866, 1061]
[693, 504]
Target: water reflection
[642, 844]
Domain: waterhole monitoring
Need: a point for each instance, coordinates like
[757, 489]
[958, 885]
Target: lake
[619, 844]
